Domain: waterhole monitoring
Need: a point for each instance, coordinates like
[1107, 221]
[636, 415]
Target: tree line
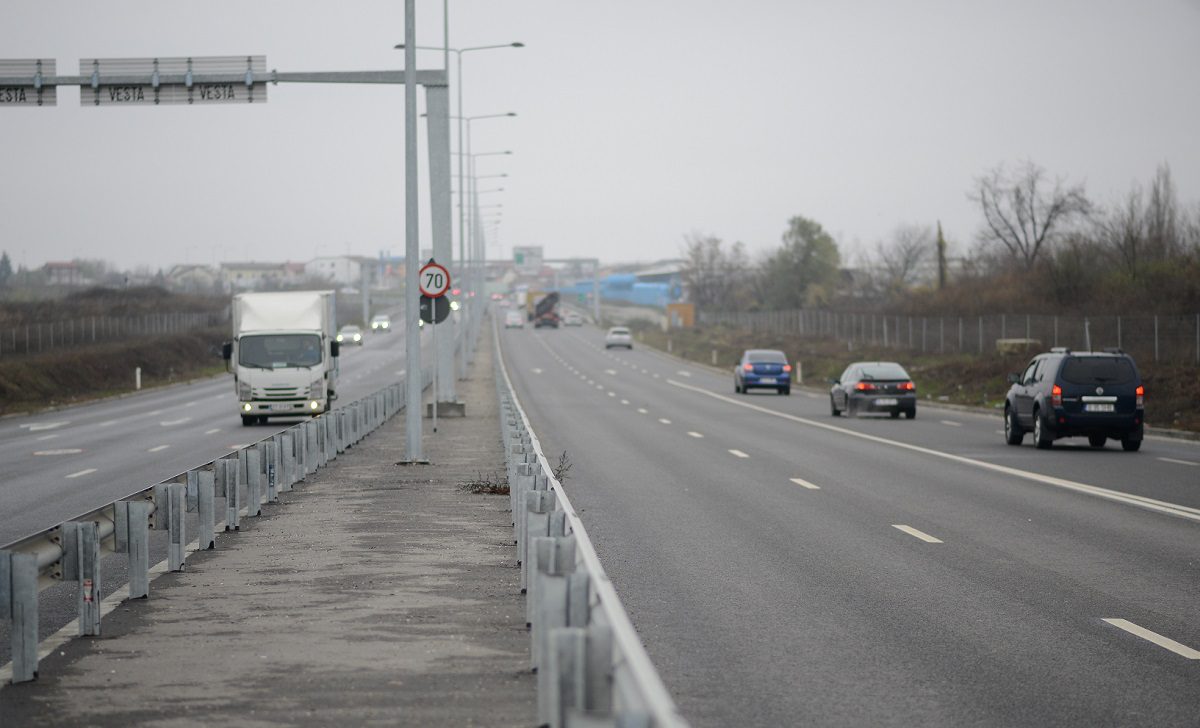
[1042, 245]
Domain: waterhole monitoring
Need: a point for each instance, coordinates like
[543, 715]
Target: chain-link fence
[35, 338]
[1161, 338]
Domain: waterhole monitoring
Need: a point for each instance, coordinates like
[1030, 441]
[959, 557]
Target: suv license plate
[885, 402]
[766, 380]
[1099, 408]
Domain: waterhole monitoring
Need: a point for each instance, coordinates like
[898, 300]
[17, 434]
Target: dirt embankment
[1172, 390]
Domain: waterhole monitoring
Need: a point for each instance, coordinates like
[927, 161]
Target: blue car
[764, 369]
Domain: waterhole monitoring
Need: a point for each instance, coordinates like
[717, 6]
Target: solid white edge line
[1179, 462]
[804, 483]
[88, 471]
[1192, 514]
[738, 454]
[918, 534]
[1164, 642]
[951, 423]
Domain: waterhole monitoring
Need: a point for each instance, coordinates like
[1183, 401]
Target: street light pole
[412, 250]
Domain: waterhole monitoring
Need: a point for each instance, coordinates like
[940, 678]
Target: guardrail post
[131, 534]
[288, 461]
[535, 522]
[310, 448]
[19, 604]
[566, 683]
[176, 537]
[233, 494]
[205, 488]
[341, 425]
[87, 563]
[253, 465]
[547, 601]
[270, 452]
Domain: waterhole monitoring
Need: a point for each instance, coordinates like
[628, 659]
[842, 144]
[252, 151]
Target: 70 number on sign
[434, 280]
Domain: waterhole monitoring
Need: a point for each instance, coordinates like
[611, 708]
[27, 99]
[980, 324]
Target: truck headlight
[244, 390]
[314, 405]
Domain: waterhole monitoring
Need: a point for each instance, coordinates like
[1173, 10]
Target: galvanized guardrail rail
[592, 669]
[244, 479]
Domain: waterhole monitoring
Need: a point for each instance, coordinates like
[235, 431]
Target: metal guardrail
[592, 669]
[245, 479]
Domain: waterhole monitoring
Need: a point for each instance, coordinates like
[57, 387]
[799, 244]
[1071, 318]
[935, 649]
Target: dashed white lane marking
[1172, 460]
[656, 376]
[1181, 511]
[683, 373]
[158, 448]
[591, 381]
[599, 386]
[155, 413]
[60, 451]
[1164, 642]
[44, 426]
[642, 410]
[189, 404]
[804, 483]
[951, 423]
[645, 372]
[108, 423]
[82, 473]
[213, 431]
[664, 420]
[612, 394]
[46, 437]
[610, 371]
[536, 370]
[696, 435]
[624, 401]
[738, 454]
[919, 534]
[172, 423]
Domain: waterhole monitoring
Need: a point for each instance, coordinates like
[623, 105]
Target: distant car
[874, 386]
[1097, 395]
[350, 334]
[381, 324]
[514, 320]
[572, 319]
[763, 369]
[618, 336]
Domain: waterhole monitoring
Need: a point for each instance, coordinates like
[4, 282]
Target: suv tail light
[864, 386]
[907, 386]
[1056, 396]
[748, 367]
[1141, 396]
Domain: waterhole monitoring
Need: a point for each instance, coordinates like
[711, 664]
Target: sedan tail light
[864, 386]
[748, 367]
[907, 386]
[1141, 396]
[1056, 396]
[787, 367]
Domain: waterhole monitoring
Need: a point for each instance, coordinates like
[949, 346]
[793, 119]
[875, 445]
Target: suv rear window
[1097, 370]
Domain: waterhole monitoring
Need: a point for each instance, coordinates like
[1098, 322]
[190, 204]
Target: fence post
[941, 335]
[981, 336]
[1155, 337]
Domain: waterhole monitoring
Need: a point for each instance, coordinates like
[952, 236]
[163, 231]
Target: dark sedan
[874, 386]
[764, 369]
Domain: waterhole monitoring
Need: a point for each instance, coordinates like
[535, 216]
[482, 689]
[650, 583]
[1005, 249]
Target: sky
[639, 122]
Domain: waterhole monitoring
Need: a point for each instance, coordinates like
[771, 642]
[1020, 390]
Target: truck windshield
[272, 351]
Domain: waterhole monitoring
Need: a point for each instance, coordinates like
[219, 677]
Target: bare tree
[1024, 212]
[1122, 230]
[900, 258]
[712, 273]
[1162, 216]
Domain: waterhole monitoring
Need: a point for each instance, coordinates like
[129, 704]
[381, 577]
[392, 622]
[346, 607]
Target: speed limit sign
[434, 280]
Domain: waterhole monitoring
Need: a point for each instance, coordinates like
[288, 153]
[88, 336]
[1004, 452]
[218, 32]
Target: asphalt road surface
[785, 567]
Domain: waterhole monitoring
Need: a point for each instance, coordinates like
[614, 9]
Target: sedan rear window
[619, 332]
[1097, 370]
[767, 356]
[884, 371]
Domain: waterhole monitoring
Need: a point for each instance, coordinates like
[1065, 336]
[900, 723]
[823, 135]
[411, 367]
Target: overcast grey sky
[640, 121]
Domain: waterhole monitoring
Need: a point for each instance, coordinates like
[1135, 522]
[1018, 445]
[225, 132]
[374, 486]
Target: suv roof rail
[1113, 350]
[1060, 350]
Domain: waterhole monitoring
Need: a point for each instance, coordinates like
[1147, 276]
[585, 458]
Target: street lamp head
[518, 45]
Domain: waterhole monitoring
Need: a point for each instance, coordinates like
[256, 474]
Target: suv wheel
[1013, 434]
[1096, 440]
[1130, 445]
[1041, 438]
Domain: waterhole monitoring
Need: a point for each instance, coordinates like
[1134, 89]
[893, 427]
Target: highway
[785, 567]
[65, 463]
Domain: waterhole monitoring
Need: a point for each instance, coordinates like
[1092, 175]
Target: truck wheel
[248, 420]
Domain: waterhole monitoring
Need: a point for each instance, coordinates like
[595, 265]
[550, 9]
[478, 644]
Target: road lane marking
[46, 437]
[682, 373]
[656, 376]
[190, 404]
[951, 423]
[1164, 642]
[44, 426]
[60, 451]
[158, 448]
[172, 423]
[536, 370]
[155, 413]
[213, 431]
[611, 371]
[738, 454]
[599, 386]
[108, 423]
[82, 473]
[1165, 460]
[804, 483]
[624, 401]
[664, 420]
[919, 534]
[1192, 514]
[612, 394]
[642, 410]
[696, 435]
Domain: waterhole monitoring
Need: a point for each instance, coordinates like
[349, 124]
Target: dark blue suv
[764, 369]
[1097, 395]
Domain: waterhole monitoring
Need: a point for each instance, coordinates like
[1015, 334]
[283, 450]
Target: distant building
[191, 278]
[253, 276]
[65, 273]
[344, 270]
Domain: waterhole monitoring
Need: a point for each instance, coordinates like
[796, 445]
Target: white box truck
[284, 354]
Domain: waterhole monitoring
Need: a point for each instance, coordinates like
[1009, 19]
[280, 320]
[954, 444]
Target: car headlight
[339, 337]
[357, 337]
[385, 324]
[244, 390]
